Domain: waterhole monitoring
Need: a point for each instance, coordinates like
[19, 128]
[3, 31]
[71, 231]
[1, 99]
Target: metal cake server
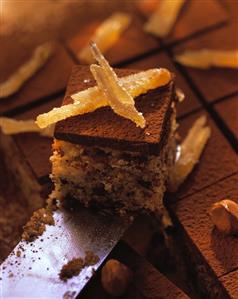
[35, 273]
[32, 269]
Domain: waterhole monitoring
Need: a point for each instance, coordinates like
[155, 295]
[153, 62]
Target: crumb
[36, 225]
[74, 267]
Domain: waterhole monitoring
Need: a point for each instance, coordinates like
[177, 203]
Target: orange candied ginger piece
[106, 35]
[190, 152]
[10, 126]
[163, 19]
[128, 88]
[84, 101]
[117, 96]
[39, 57]
[206, 58]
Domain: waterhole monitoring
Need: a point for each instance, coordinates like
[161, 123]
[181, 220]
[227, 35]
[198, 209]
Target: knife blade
[35, 272]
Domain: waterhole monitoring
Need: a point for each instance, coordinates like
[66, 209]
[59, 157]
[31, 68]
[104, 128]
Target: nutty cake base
[112, 179]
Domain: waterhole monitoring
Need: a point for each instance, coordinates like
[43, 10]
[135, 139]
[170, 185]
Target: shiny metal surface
[35, 273]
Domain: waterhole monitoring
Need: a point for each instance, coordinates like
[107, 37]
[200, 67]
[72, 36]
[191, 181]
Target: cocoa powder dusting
[74, 267]
[36, 225]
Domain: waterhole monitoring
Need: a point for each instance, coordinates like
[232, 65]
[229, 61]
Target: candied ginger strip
[206, 58]
[124, 109]
[66, 111]
[190, 152]
[10, 126]
[27, 70]
[84, 101]
[106, 35]
[117, 96]
[163, 19]
[136, 84]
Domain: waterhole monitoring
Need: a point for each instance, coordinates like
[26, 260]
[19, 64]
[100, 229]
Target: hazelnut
[224, 215]
[115, 277]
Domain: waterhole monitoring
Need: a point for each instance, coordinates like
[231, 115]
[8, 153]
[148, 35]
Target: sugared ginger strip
[10, 126]
[117, 96]
[92, 98]
[26, 71]
[190, 152]
[106, 35]
[163, 19]
[206, 58]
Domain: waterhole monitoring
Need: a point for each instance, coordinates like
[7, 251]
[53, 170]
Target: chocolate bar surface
[105, 128]
[131, 43]
[208, 246]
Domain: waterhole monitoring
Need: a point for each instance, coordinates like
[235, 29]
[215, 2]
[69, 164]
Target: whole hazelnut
[115, 277]
[224, 215]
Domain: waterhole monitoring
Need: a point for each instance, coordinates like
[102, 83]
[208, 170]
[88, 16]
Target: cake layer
[106, 129]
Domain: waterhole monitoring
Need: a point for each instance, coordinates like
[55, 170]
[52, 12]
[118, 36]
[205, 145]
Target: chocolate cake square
[102, 159]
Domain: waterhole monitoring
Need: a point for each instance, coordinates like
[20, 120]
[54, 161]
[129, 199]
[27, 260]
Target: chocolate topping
[105, 128]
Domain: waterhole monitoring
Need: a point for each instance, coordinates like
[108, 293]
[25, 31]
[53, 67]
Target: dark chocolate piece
[217, 161]
[147, 281]
[228, 110]
[50, 79]
[131, 43]
[162, 60]
[209, 248]
[197, 16]
[105, 128]
[214, 83]
[230, 283]
[36, 149]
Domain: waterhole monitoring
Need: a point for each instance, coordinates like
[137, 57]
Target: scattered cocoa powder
[74, 267]
[36, 225]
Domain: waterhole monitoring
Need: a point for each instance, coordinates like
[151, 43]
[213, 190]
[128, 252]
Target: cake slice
[103, 160]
